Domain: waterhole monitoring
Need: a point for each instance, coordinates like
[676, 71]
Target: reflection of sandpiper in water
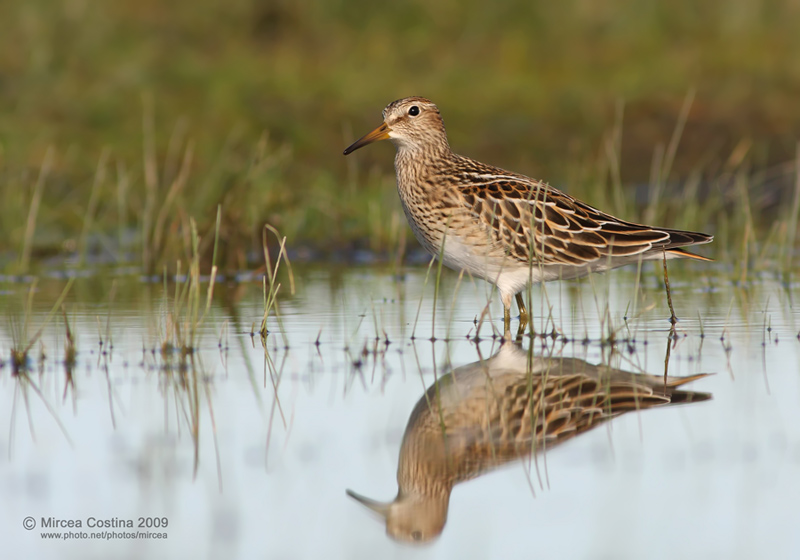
[485, 414]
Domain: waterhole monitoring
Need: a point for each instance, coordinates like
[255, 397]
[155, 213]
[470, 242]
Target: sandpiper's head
[411, 122]
[410, 517]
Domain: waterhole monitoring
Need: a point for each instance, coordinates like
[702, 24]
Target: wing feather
[537, 223]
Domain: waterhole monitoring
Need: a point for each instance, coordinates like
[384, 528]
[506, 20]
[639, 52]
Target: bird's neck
[421, 480]
[431, 149]
[417, 164]
[424, 466]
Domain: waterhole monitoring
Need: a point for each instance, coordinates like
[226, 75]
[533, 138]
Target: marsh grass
[22, 341]
[788, 247]
[270, 284]
[274, 374]
[33, 211]
[115, 136]
[422, 297]
[247, 184]
[70, 361]
[189, 308]
[183, 376]
[22, 364]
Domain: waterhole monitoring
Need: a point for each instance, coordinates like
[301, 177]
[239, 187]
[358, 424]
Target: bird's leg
[672, 340]
[523, 312]
[673, 318]
[520, 332]
[506, 299]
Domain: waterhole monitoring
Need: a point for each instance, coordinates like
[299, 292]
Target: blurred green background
[145, 113]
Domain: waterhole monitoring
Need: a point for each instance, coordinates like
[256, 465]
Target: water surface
[247, 449]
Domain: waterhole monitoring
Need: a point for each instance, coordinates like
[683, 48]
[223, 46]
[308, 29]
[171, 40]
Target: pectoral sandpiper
[490, 412]
[506, 228]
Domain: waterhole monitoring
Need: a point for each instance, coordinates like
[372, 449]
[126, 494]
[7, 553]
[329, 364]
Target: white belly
[506, 273]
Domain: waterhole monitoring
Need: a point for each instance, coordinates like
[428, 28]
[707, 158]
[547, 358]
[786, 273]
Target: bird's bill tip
[380, 133]
[380, 508]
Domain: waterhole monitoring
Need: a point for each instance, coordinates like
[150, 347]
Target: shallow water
[248, 453]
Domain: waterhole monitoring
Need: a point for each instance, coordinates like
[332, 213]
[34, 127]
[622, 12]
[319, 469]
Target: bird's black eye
[414, 111]
[416, 535]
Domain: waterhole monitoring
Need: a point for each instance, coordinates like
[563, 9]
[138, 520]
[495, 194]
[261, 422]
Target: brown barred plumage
[506, 228]
[488, 413]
